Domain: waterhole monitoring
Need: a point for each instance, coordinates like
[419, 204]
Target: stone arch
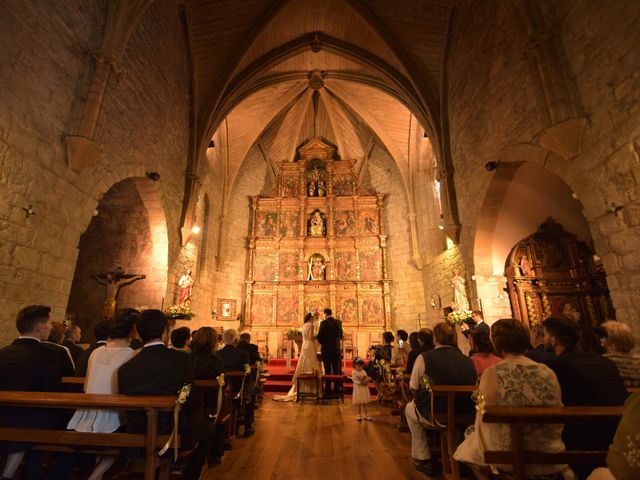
[521, 195]
[128, 229]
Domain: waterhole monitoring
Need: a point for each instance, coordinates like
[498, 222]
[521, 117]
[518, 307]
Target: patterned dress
[516, 382]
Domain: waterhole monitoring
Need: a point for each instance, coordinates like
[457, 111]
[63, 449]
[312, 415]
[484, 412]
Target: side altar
[318, 241]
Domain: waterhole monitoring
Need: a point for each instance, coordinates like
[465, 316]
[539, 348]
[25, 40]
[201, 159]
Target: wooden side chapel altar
[317, 242]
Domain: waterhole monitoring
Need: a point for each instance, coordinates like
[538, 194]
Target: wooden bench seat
[308, 378]
[63, 440]
[452, 422]
[517, 417]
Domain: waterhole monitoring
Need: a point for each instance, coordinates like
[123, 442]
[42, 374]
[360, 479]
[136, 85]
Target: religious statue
[316, 224]
[186, 286]
[316, 186]
[114, 281]
[525, 267]
[459, 291]
[316, 268]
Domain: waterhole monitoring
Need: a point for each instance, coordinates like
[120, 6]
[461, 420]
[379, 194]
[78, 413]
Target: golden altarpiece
[551, 272]
[318, 241]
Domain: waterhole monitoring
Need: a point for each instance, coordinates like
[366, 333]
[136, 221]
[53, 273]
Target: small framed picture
[226, 308]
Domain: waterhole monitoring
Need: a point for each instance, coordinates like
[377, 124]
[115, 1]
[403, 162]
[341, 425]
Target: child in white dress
[361, 395]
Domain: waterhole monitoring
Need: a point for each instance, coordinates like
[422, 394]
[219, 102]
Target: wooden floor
[309, 442]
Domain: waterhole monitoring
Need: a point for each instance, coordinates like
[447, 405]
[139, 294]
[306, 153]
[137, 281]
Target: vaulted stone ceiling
[355, 73]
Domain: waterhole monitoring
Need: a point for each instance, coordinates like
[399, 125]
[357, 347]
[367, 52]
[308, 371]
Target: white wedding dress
[307, 363]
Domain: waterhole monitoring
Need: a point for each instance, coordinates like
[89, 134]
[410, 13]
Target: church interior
[239, 163]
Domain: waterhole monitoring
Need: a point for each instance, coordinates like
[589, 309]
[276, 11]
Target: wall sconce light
[29, 211]
[155, 176]
[441, 224]
[491, 166]
[211, 144]
[195, 229]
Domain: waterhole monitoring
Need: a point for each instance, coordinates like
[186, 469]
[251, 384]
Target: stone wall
[252, 180]
[45, 72]
[494, 110]
[407, 295]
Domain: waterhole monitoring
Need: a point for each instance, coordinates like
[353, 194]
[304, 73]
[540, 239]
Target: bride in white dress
[307, 360]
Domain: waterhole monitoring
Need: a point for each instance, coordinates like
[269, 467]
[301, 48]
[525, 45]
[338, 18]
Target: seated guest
[425, 343]
[235, 359]
[179, 338]
[538, 352]
[483, 357]
[102, 378]
[415, 351]
[618, 343]
[54, 343]
[400, 352]
[516, 381]
[444, 365]
[28, 365]
[158, 370]
[72, 335]
[622, 460]
[101, 332]
[586, 379]
[207, 366]
[381, 353]
[252, 349]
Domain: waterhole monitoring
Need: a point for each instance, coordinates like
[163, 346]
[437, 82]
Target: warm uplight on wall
[195, 229]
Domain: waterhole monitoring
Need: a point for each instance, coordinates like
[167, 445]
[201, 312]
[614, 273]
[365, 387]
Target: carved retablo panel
[317, 244]
[262, 309]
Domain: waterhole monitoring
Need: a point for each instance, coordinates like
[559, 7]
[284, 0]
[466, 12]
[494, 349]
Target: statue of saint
[316, 268]
[114, 281]
[186, 286]
[316, 224]
[459, 290]
[525, 267]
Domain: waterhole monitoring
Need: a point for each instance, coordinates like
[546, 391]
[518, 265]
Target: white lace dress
[516, 382]
[307, 363]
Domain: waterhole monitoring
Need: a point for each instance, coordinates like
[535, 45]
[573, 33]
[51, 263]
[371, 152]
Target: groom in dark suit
[329, 336]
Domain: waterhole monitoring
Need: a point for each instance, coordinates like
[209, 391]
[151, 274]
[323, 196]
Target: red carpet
[280, 379]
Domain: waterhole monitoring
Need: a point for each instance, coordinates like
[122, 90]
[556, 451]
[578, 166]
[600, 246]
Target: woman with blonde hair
[618, 343]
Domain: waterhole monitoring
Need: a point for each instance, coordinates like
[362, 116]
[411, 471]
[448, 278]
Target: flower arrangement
[179, 312]
[294, 332]
[458, 316]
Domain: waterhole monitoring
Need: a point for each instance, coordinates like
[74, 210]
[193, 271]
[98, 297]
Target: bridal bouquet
[458, 316]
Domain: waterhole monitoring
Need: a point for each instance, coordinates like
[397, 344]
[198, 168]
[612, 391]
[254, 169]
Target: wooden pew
[61, 440]
[517, 417]
[452, 422]
[404, 396]
[237, 380]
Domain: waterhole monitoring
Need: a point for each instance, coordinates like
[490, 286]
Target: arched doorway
[129, 230]
[520, 197]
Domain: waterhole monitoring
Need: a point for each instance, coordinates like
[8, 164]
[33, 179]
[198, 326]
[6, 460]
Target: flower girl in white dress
[361, 394]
